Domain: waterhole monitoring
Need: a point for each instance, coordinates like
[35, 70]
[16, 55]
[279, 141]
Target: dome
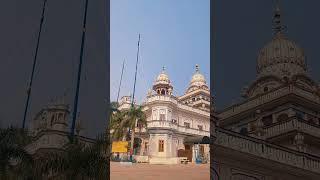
[197, 81]
[281, 57]
[162, 85]
[163, 77]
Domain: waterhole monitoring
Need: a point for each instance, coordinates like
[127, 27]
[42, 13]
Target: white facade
[171, 120]
[274, 132]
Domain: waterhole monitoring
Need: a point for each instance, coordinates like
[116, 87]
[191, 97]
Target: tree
[118, 125]
[114, 106]
[15, 161]
[131, 117]
[77, 160]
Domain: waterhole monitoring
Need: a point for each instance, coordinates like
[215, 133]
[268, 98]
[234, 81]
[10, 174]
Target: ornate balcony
[262, 149]
[171, 99]
[268, 97]
[158, 124]
[293, 123]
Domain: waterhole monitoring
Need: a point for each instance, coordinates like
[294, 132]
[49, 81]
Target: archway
[137, 146]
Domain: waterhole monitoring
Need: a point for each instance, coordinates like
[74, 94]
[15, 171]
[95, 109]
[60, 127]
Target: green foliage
[78, 160]
[75, 160]
[121, 121]
[15, 161]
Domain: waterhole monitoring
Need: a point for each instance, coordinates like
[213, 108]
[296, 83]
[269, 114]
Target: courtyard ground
[159, 172]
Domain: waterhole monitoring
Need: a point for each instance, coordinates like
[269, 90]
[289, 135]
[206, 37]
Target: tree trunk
[132, 139]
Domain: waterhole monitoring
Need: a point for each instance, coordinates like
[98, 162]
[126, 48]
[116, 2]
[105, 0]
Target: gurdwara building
[274, 133]
[174, 123]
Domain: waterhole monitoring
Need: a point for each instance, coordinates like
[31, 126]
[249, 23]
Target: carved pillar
[274, 118]
[194, 153]
[259, 131]
[142, 147]
[299, 142]
[259, 128]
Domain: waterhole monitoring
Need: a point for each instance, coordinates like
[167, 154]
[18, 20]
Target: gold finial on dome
[277, 26]
[197, 68]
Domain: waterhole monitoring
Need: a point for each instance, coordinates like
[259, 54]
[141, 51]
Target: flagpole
[134, 88]
[120, 81]
[76, 98]
[135, 76]
[33, 66]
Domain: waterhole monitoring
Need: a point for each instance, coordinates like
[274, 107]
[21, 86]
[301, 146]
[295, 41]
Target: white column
[194, 152]
[142, 147]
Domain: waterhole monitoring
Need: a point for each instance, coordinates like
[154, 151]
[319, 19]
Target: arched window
[265, 89]
[282, 117]
[60, 117]
[267, 120]
[161, 146]
[158, 91]
[163, 92]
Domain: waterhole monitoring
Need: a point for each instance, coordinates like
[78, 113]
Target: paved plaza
[159, 172]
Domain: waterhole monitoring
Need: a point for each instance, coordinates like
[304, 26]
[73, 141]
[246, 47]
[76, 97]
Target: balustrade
[293, 123]
[266, 150]
[173, 126]
[270, 96]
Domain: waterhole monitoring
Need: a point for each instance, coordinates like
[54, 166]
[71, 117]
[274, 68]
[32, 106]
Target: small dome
[197, 81]
[162, 85]
[163, 77]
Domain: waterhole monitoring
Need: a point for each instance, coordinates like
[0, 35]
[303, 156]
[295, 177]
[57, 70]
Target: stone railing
[174, 100]
[191, 109]
[164, 98]
[264, 98]
[262, 149]
[162, 124]
[291, 124]
[175, 127]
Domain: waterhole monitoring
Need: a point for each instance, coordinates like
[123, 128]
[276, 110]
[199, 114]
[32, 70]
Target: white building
[274, 132]
[50, 128]
[174, 122]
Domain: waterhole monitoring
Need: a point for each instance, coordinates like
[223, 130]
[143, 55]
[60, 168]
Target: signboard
[120, 147]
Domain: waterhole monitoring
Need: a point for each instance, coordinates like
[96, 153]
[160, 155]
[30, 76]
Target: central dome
[281, 57]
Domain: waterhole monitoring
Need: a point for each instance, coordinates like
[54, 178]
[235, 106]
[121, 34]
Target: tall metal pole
[33, 66]
[76, 98]
[120, 81]
[135, 76]
[134, 89]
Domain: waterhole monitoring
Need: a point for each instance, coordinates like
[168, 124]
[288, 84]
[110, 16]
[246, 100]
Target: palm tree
[77, 161]
[117, 125]
[15, 161]
[114, 106]
[131, 117]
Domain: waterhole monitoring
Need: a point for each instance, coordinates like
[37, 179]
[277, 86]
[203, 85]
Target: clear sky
[174, 34]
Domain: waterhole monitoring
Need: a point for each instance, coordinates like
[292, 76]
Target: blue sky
[174, 34]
